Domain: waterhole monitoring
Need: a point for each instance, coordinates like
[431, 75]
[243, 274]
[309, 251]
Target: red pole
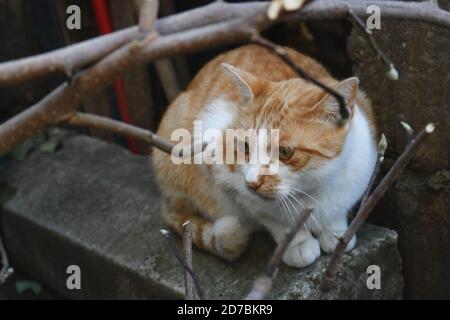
[104, 24]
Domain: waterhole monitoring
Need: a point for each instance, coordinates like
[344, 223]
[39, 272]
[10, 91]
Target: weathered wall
[417, 207]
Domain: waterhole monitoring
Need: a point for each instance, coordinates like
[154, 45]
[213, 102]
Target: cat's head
[309, 139]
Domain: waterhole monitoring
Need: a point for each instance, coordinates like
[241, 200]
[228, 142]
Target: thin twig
[6, 271]
[409, 132]
[263, 284]
[364, 211]
[391, 71]
[182, 262]
[187, 249]
[169, 78]
[147, 17]
[110, 125]
[282, 53]
[382, 146]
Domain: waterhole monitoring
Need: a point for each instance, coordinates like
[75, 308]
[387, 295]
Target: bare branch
[364, 211]
[282, 53]
[6, 271]
[147, 17]
[182, 262]
[276, 7]
[79, 55]
[263, 284]
[409, 132]
[391, 71]
[110, 125]
[187, 249]
[382, 146]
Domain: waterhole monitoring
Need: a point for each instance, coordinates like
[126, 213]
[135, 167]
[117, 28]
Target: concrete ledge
[95, 205]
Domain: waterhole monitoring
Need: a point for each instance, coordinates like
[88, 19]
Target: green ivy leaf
[40, 142]
[22, 286]
[50, 146]
[23, 150]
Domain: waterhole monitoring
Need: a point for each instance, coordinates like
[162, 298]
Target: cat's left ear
[348, 88]
[245, 82]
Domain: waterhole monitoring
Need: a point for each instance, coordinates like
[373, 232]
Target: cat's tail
[225, 237]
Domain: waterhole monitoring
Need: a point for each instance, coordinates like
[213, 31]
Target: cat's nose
[254, 185]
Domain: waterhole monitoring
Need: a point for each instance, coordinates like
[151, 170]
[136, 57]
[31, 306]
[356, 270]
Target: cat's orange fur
[280, 98]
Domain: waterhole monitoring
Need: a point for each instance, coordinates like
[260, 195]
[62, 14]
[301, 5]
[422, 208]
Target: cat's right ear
[243, 80]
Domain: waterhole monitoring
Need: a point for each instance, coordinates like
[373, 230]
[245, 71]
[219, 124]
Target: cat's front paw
[302, 254]
[329, 240]
[230, 237]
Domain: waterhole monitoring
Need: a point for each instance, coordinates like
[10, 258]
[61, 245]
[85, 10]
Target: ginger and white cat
[321, 165]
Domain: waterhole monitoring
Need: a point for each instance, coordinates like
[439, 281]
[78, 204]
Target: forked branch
[369, 204]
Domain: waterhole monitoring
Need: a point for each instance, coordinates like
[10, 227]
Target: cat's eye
[285, 153]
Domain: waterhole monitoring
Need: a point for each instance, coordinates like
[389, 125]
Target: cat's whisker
[284, 199]
[280, 204]
[293, 197]
[313, 218]
[309, 196]
[283, 207]
[295, 208]
[285, 210]
[313, 199]
[301, 203]
[277, 201]
[317, 224]
[288, 196]
[289, 211]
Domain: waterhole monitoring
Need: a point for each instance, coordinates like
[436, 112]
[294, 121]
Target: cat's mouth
[264, 196]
